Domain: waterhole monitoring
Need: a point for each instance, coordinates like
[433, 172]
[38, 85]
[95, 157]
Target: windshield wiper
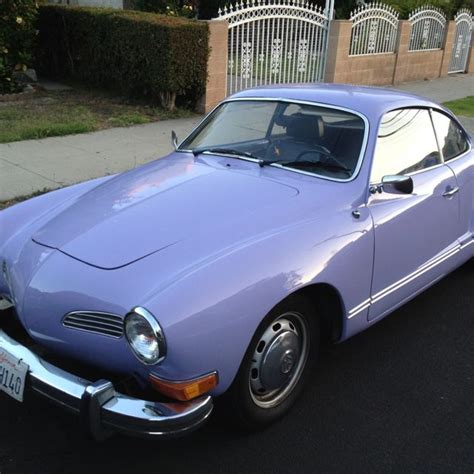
[226, 151]
[310, 164]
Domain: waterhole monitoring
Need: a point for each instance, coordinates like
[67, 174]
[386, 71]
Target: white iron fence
[428, 25]
[374, 29]
[462, 40]
[275, 41]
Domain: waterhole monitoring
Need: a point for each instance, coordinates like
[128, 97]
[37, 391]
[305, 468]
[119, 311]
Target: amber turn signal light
[186, 390]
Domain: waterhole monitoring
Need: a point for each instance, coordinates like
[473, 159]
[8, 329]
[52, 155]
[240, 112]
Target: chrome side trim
[418, 272]
[409, 278]
[354, 311]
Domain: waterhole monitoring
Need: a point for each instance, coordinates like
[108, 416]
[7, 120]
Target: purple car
[291, 215]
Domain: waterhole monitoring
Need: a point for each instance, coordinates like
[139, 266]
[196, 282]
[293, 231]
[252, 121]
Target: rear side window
[406, 143]
[452, 139]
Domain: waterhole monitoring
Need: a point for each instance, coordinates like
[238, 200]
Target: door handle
[449, 193]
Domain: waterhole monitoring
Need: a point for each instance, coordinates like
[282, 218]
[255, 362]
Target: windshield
[314, 139]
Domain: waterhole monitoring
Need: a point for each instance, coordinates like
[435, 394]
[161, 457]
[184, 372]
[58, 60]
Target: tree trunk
[168, 100]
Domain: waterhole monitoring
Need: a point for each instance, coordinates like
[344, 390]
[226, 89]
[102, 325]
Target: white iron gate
[374, 29]
[462, 40]
[427, 28]
[275, 41]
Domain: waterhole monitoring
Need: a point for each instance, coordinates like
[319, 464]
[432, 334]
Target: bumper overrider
[101, 408]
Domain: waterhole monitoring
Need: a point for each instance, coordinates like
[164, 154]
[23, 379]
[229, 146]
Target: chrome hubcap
[278, 360]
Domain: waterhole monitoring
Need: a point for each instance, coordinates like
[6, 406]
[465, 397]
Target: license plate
[12, 375]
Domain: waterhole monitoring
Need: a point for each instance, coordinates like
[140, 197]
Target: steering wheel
[321, 150]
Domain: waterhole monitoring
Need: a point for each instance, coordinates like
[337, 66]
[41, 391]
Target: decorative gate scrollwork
[275, 41]
[462, 40]
[428, 26]
[374, 29]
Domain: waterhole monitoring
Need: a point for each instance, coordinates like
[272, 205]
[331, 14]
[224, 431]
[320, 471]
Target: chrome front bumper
[103, 410]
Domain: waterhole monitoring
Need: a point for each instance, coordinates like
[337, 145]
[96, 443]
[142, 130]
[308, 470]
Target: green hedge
[138, 54]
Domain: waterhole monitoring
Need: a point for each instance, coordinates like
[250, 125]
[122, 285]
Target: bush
[204, 9]
[186, 8]
[17, 35]
[138, 54]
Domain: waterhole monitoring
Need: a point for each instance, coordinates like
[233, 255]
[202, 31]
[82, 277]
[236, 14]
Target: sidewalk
[443, 89]
[32, 165]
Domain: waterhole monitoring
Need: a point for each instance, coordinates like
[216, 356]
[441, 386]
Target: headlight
[145, 336]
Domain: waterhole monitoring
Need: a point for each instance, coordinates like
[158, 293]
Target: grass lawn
[463, 107]
[47, 114]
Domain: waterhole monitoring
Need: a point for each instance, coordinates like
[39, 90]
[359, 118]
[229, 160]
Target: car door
[457, 154]
[413, 232]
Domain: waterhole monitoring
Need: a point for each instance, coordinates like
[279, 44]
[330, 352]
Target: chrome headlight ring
[145, 336]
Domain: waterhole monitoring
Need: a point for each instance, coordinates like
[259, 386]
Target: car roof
[370, 101]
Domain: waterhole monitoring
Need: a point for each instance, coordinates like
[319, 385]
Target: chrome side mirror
[397, 183]
[174, 139]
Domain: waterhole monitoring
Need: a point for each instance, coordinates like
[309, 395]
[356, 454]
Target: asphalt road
[397, 398]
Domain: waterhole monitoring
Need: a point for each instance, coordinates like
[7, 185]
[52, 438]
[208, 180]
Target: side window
[406, 143]
[452, 140]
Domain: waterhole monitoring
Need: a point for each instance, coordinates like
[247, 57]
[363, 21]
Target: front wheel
[276, 365]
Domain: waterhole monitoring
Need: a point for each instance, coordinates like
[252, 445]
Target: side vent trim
[105, 324]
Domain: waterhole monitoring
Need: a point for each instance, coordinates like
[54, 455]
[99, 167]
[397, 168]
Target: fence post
[216, 86]
[338, 51]
[329, 9]
[403, 40]
[470, 59]
[447, 48]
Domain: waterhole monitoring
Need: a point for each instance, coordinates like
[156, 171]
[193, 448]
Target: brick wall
[370, 69]
[388, 68]
[216, 89]
[470, 62]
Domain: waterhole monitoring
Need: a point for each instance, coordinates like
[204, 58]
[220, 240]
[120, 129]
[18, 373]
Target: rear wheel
[276, 364]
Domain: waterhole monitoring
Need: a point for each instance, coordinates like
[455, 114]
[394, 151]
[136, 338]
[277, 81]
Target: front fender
[211, 313]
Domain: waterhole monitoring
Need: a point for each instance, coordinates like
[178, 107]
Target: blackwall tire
[277, 364]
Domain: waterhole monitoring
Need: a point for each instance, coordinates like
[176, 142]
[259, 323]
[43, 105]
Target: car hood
[153, 207]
